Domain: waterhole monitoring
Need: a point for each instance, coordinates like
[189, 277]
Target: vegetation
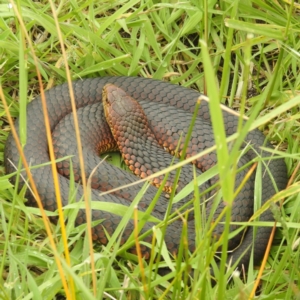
[254, 53]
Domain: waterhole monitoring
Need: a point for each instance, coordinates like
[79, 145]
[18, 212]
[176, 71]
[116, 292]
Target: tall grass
[242, 53]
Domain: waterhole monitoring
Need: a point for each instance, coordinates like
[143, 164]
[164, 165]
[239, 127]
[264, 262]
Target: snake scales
[158, 99]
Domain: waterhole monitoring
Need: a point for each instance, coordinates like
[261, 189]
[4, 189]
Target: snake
[168, 109]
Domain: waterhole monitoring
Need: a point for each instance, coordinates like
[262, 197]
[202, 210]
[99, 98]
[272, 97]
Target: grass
[248, 58]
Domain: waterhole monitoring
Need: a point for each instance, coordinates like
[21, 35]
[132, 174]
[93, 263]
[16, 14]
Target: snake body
[163, 104]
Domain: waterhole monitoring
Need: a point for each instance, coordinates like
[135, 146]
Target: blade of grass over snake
[45, 219]
[227, 178]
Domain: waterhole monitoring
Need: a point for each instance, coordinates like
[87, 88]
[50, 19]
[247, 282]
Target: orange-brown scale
[137, 143]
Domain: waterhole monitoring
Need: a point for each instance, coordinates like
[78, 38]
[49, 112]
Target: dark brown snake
[168, 109]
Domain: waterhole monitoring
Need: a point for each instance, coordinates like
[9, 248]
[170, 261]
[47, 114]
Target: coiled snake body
[158, 99]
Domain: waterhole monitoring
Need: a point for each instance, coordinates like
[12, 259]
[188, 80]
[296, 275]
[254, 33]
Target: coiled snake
[167, 106]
